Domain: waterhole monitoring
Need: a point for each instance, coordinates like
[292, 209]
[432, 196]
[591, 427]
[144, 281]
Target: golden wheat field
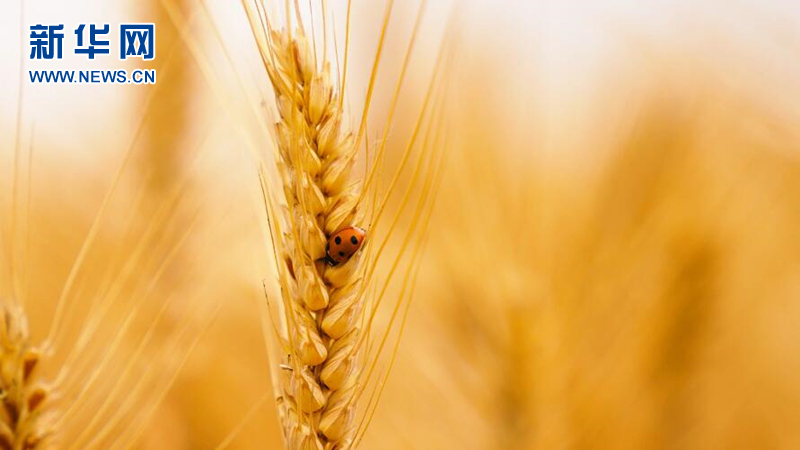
[425, 224]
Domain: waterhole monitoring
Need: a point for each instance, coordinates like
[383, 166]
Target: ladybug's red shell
[344, 243]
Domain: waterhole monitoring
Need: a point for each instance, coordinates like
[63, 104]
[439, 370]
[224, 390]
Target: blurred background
[614, 261]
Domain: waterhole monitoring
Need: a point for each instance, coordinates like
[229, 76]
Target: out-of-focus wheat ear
[22, 423]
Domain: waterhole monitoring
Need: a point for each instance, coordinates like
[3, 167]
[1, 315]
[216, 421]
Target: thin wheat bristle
[315, 156]
[21, 427]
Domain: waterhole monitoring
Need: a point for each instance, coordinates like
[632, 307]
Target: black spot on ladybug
[341, 253]
[327, 246]
[338, 240]
[354, 240]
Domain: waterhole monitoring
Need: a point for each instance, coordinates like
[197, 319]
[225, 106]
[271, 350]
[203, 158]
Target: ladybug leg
[328, 255]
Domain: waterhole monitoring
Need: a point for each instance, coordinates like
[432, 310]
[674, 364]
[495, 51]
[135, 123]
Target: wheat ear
[21, 427]
[315, 156]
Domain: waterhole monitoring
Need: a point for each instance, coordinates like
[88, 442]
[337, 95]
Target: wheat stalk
[23, 398]
[316, 154]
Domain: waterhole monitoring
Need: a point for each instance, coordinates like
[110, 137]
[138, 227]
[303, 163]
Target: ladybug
[343, 244]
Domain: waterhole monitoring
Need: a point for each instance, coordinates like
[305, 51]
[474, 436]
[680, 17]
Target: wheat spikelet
[316, 153]
[21, 427]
